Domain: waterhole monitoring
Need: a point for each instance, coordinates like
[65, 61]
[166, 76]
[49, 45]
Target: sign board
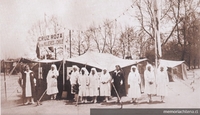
[51, 40]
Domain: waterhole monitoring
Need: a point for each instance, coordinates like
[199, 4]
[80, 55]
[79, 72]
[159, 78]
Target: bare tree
[146, 19]
[98, 39]
[80, 42]
[110, 35]
[126, 42]
[49, 26]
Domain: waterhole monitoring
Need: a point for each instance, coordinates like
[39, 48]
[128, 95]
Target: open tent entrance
[176, 69]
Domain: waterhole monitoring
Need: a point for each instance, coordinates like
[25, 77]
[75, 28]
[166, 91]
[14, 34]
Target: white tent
[178, 68]
[103, 60]
[170, 63]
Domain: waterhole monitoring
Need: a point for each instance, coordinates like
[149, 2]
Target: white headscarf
[103, 70]
[95, 71]
[75, 66]
[55, 69]
[136, 69]
[149, 65]
[164, 67]
[85, 70]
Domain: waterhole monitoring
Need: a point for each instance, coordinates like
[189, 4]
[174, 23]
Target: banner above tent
[103, 60]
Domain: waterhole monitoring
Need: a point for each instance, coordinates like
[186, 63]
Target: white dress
[74, 77]
[94, 84]
[105, 88]
[134, 80]
[162, 81]
[83, 82]
[28, 84]
[52, 82]
[149, 77]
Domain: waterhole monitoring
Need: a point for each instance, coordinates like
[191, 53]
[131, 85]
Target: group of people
[85, 84]
[28, 82]
[155, 82]
[92, 84]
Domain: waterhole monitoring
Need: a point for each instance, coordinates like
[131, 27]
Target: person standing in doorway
[52, 88]
[28, 85]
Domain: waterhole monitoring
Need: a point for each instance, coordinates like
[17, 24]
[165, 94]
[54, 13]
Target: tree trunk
[194, 63]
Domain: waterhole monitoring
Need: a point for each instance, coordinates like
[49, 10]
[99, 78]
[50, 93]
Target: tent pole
[63, 62]
[5, 79]
[70, 52]
[14, 68]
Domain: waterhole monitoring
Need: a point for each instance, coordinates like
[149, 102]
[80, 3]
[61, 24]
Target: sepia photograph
[100, 57]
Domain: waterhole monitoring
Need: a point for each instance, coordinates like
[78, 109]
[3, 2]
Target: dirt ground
[181, 94]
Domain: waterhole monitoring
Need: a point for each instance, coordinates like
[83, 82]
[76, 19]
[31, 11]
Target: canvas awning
[26, 60]
[170, 63]
[102, 60]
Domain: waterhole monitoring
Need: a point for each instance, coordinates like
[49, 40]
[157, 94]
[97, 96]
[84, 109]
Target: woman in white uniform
[83, 82]
[134, 81]
[105, 86]
[94, 84]
[150, 84]
[52, 75]
[162, 82]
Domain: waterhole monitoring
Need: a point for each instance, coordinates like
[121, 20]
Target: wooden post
[5, 79]
[63, 62]
[70, 50]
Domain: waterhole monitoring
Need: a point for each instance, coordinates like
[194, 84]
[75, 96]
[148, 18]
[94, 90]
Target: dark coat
[118, 77]
[32, 76]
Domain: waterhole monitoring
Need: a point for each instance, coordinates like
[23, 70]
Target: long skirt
[83, 91]
[150, 88]
[134, 91]
[52, 87]
[105, 89]
[94, 91]
[162, 89]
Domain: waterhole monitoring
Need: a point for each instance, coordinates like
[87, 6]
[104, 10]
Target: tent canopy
[170, 63]
[102, 60]
[27, 60]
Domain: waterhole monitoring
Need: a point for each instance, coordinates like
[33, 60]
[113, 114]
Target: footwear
[54, 97]
[162, 101]
[26, 103]
[32, 102]
[120, 101]
[95, 101]
[135, 102]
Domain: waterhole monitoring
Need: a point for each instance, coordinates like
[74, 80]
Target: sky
[18, 16]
